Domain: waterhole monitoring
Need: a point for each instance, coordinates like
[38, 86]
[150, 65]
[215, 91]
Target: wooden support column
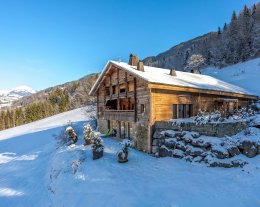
[135, 99]
[118, 90]
[118, 128]
[110, 87]
[104, 91]
[126, 86]
[98, 104]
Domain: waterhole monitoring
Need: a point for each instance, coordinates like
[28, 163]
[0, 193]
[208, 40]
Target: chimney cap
[140, 66]
[173, 72]
[133, 59]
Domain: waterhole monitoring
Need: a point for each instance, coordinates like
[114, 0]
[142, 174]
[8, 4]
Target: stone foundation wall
[209, 129]
[140, 133]
[102, 126]
[185, 142]
[214, 151]
[140, 136]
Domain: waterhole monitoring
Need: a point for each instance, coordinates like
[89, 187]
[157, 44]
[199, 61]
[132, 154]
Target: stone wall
[221, 129]
[102, 126]
[140, 133]
[140, 136]
[171, 140]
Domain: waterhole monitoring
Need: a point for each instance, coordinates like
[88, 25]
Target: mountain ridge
[7, 97]
[236, 42]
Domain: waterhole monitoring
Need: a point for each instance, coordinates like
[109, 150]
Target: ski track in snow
[33, 172]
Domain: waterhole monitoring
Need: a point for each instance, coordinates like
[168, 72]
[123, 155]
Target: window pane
[174, 111]
[180, 111]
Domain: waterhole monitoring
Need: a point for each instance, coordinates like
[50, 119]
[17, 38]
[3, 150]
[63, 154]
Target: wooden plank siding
[156, 99]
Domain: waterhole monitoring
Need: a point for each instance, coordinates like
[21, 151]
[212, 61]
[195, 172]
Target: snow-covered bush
[204, 117]
[88, 132]
[256, 106]
[97, 142]
[243, 114]
[63, 136]
[72, 134]
[124, 146]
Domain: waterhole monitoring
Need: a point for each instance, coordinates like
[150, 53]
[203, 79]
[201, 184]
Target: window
[184, 110]
[122, 90]
[231, 107]
[180, 110]
[174, 111]
[142, 108]
[188, 110]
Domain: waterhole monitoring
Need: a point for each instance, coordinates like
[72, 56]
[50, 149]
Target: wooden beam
[196, 90]
[97, 105]
[110, 87]
[118, 90]
[104, 87]
[126, 85]
[135, 99]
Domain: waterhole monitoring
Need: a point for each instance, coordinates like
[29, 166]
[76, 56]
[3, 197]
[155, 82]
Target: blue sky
[48, 42]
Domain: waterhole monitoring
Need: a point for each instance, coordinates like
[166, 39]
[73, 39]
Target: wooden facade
[126, 102]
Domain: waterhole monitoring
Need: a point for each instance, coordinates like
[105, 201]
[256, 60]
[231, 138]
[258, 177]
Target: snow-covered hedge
[240, 115]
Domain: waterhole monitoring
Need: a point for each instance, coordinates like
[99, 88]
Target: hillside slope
[235, 42]
[245, 75]
[34, 172]
[48, 102]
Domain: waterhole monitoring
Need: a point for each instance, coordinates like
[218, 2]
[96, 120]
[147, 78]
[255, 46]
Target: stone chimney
[140, 66]
[173, 72]
[133, 60]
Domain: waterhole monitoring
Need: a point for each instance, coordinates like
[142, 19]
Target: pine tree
[256, 30]
[219, 31]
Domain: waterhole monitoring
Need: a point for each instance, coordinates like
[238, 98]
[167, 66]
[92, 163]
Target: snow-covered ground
[33, 172]
[245, 75]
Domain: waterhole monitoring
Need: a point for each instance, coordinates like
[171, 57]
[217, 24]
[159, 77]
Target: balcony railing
[120, 115]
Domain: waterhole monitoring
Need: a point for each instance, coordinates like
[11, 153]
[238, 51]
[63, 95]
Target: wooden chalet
[131, 97]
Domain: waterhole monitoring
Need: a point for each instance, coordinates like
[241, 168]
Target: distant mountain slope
[77, 92]
[245, 75]
[47, 102]
[235, 42]
[7, 97]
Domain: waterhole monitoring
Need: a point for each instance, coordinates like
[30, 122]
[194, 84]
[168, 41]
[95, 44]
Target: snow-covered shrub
[204, 117]
[63, 136]
[243, 114]
[256, 106]
[72, 134]
[97, 142]
[249, 132]
[124, 146]
[88, 132]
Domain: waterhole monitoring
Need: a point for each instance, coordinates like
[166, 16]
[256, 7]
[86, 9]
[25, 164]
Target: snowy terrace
[34, 172]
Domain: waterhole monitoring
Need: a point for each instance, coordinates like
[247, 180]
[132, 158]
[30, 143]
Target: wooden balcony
[121, 95]
[120, 115]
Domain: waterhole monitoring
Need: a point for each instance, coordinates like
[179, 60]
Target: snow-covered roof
[183, 79]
